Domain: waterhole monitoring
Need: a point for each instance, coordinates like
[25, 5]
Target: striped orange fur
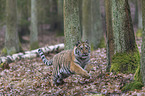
[69, 62]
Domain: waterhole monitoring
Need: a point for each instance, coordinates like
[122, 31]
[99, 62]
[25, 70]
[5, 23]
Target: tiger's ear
[78, 43]
[87, 41]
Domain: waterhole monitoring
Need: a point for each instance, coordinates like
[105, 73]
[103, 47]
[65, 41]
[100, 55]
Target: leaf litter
[33, 78]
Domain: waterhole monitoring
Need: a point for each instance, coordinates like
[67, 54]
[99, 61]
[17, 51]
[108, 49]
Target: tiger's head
[82, 49]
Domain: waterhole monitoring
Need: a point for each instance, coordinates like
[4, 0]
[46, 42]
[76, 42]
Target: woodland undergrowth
[32, 77]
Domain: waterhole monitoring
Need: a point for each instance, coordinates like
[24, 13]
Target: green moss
[11, 51]
[125, 62]
[20, 46]
[128, 63]
[92, 47]
[139, 33]
[102, 43]
[1, 65]
[132, 86]
[137, 75]
[34, 45]
[4, 51]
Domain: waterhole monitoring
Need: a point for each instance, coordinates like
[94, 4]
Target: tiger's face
[82, 49]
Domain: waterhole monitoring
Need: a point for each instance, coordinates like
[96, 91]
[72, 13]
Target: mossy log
[29, 54]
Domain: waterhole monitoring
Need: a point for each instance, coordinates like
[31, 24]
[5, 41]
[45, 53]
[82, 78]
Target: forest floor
[31, 77]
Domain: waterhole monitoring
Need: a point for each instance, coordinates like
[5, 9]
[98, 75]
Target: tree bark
[12, 44]
[29, 54]
[126, 56]
[139, 14]
[97, 34]
[71, 23]
[109, 34]
[34, 26]
[143, 44]
[86, 20]
[92, 23]
[60, 16]
[124, 38]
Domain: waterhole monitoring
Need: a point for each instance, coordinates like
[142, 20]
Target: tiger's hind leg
[58, 79]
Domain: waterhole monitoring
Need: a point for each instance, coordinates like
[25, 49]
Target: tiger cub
[69, 62]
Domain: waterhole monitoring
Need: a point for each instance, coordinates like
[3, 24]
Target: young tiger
[69, 62]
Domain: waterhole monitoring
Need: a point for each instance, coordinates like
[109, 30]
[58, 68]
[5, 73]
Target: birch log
[29, 54]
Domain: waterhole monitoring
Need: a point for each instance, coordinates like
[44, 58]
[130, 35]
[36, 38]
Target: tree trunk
[92, 23]
[126, 55]
[135, 19]
[12, 44]
[139, 14]
[29, 54]
[23, 14]
[143, 44]
[71, 23]
[86, 20]
[2, 11]
[34, 26]
[60, 16]
[122, 26]
[97, 35]
[109, 34]
[53, 15]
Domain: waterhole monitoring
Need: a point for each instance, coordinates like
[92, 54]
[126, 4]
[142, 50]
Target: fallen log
[29, 54]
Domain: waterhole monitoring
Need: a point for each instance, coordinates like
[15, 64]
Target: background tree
[139, 14]
[34, 26]
[23, 12]
[60, 16]
[71, 23]
[92, 23]
[143, 44]
[86, 20]
[12, 44]
[109, 33]
[97, 35]
[2, 11]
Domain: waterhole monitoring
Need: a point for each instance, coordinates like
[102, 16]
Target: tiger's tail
[40, 52]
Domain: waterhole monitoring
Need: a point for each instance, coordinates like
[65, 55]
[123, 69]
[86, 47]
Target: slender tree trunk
[92, 23]
[109, 33]
[23, 15]
[2, 11]
[135, 19]
[34, 26]
[86, 20]
[97, 34]
[12, 44]
[139, 14]
[60, 16]
[71, 23]
[143, 44]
